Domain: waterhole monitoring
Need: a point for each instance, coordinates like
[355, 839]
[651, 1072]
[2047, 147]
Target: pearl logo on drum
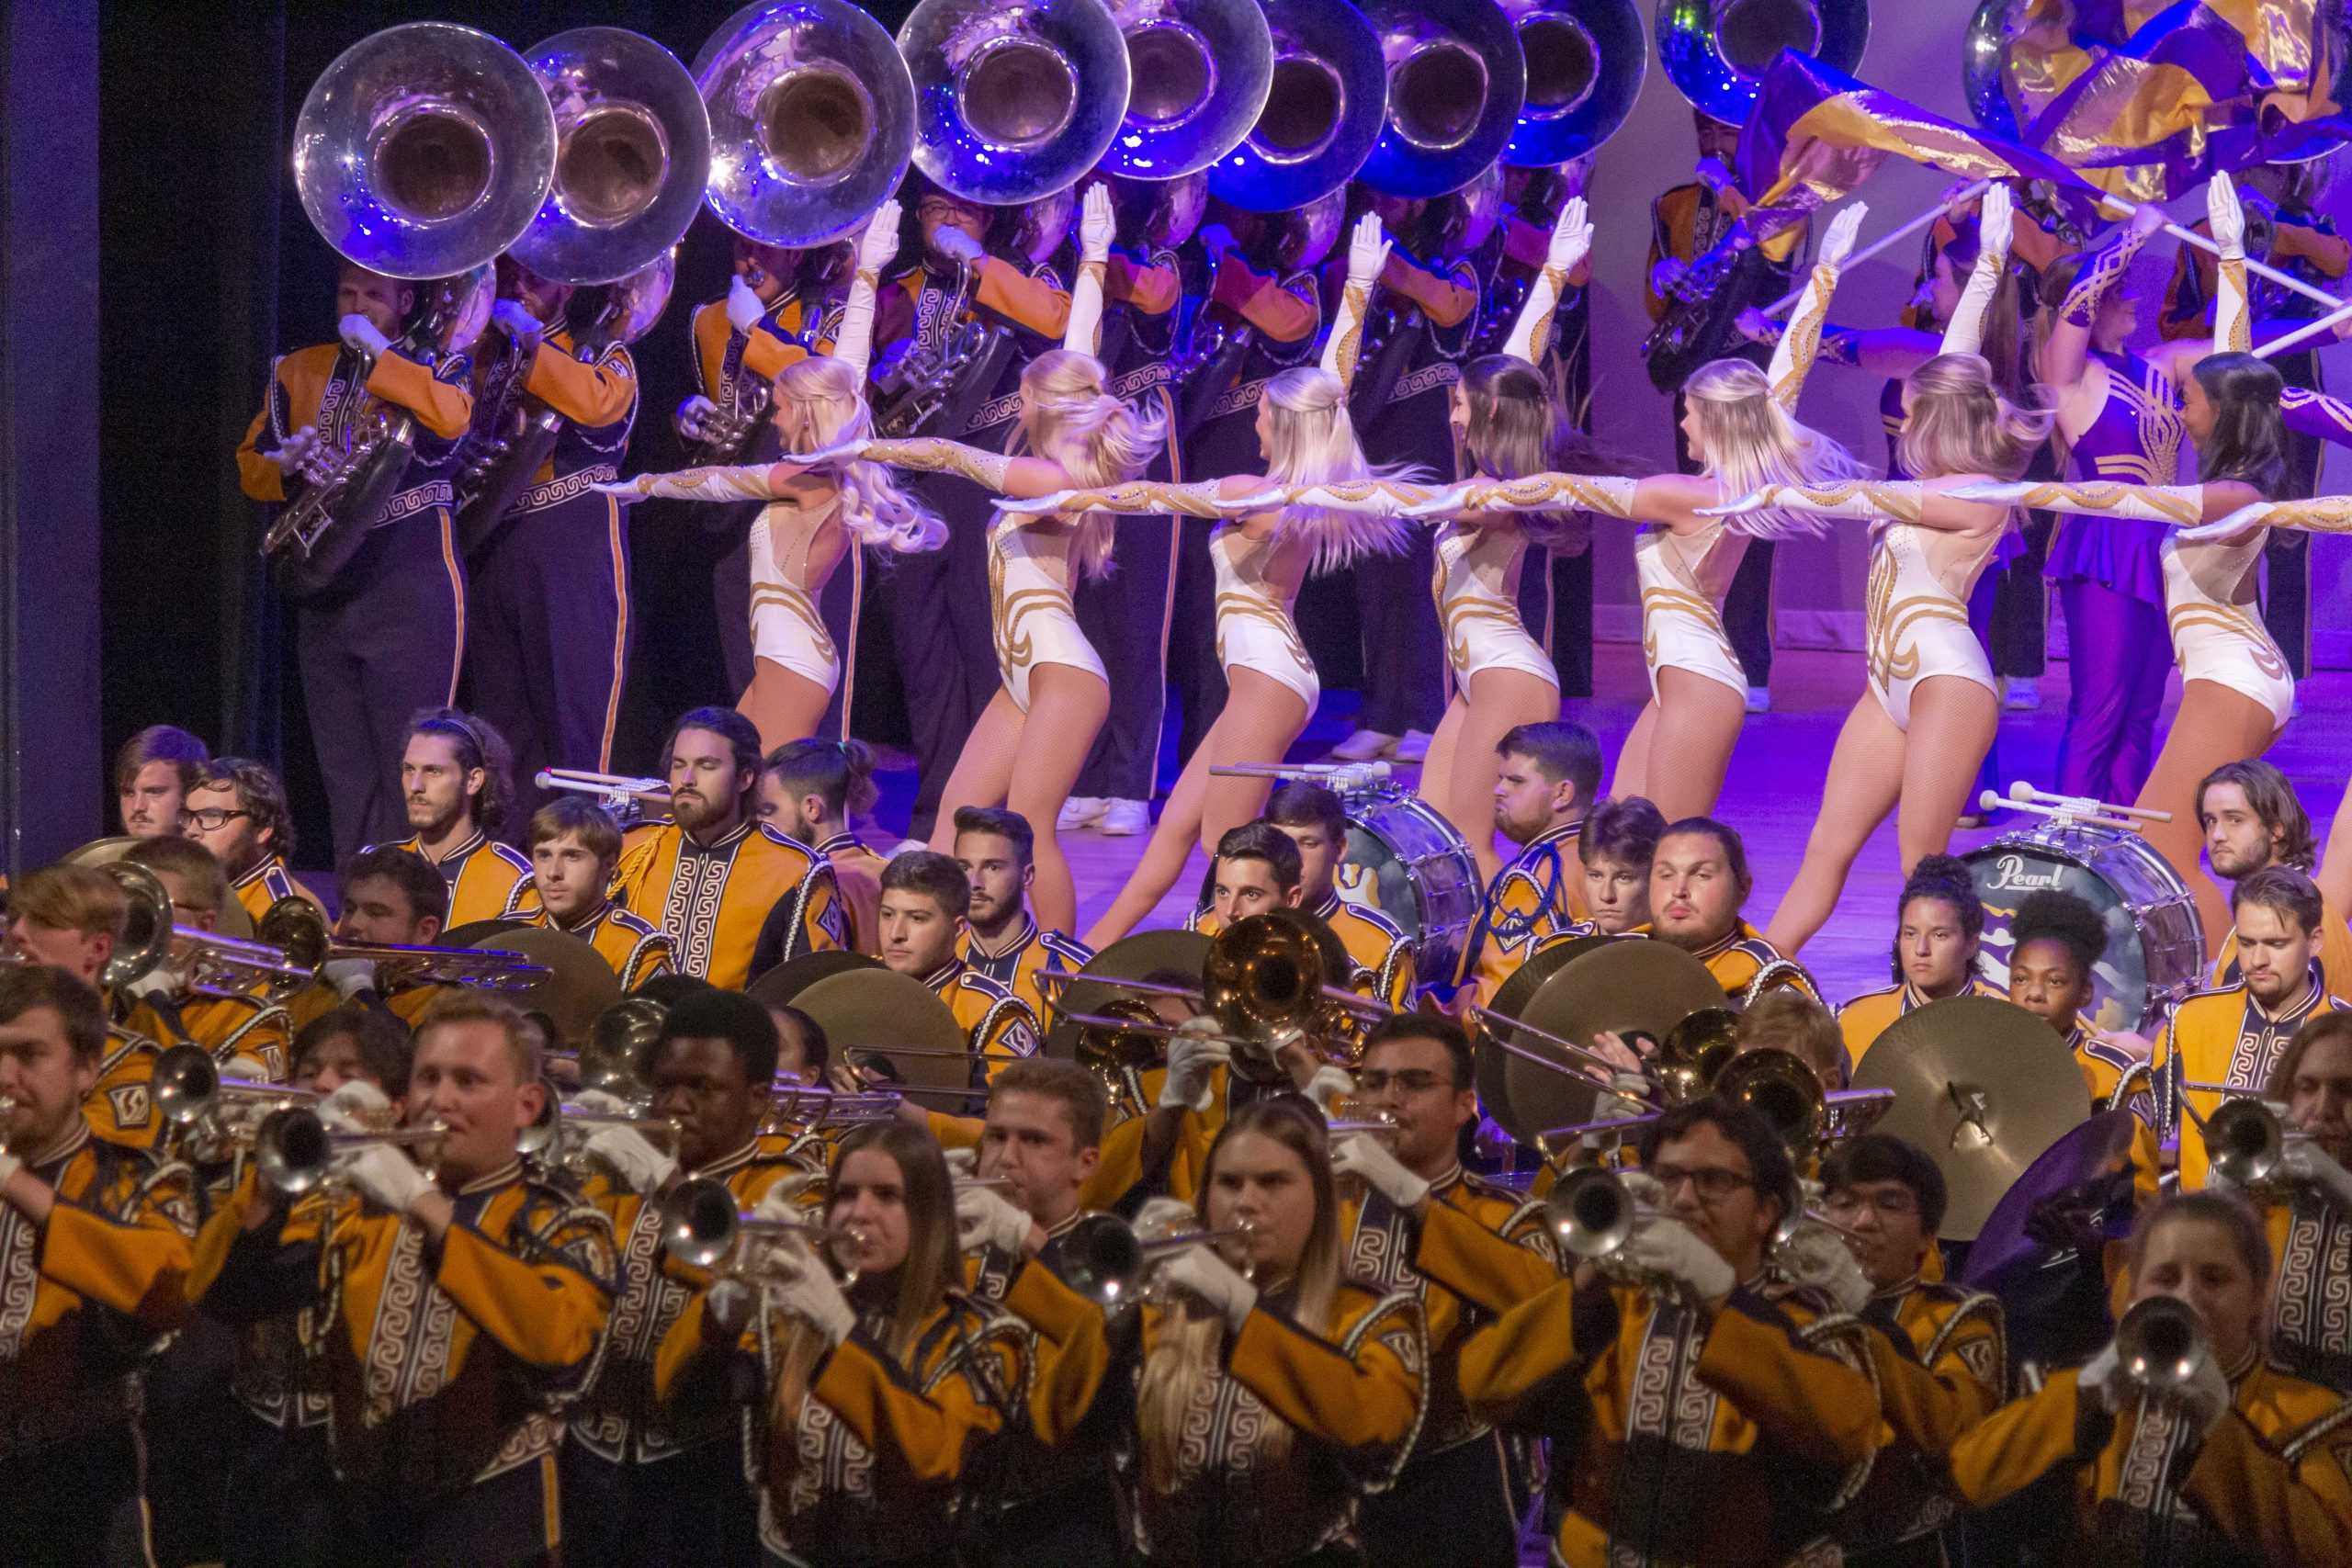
[2010, 874]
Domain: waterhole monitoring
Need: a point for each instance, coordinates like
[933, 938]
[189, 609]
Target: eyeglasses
[1894, 1203]
[212, 818]
[1713, 1183]
[1412, 1080]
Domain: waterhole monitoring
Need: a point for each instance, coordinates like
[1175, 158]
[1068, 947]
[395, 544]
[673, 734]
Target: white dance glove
[1368, 249]
[1192, 1061]
[984, 1218]
[1362, 1156]
[1845, 225]
[1669, 1248]
[855, 344]
[1868, 501]
[1198, 1271]
[385, 1176]
[2182, 506]
[2321, 514]
[1965, 333]
[2305, 1161]
[731, 481]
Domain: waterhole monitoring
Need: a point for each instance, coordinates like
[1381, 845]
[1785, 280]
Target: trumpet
[702, 1228]
[1352, 1113]
[294, 926]
[188, 1091]
[554, 1136]
[2161, 1343]
[215, 966]
[1110, 1261]
[1592, 1213]
[2246, 1140]
[295, 1151]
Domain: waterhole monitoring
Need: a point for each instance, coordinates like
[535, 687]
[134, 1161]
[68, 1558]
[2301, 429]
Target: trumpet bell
[1326, 98]
[813, 119]
[1013, 101]
[1586, 63]
[2161, 1342]
[146, 940]
[294, 925]
[1200, 71]
[185, 1086]
[2246, 1143]
[1456, 84]
[1102, 1259]
[424, 150]
[632, 154]
[1717, 52]
[699, 1222]
[1592, 1212]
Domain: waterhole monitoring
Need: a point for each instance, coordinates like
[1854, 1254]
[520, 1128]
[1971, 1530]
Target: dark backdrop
[206, 269]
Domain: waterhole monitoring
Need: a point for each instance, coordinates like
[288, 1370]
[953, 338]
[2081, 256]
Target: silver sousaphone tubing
[1013, 101]
[1324, 110]
[1456, 82]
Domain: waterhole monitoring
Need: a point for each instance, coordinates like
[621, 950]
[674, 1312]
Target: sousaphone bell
[1585, 61]
[1013, 101]
[1200, 71]
[1456, 84]
[1717, 52]
[1323, 109]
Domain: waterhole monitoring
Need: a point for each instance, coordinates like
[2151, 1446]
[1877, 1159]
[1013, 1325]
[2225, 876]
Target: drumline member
[153, 771]
[1701, 1378]
[2307, 1210]
[160, 1005]
[870, 1404]
[1617, 843]
[810, 790]
[2251, 819]
[2056, 941]
[387, 639]
[2241, 1463]
[1312, 818]
[548, 587]
[648, 1480]
[815, 517]
[1546, 780]
[1002, 939]
[94, 1244]
[238, 811]
[575, 848]
[2237, 1034]
[925, 902]
[71, 917]
[1938, 931]
[506, 1285]
[709, 878]
[457, 782]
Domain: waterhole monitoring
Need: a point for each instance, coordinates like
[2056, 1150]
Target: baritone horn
[211, 965]
[1456, 84]
[813, 119]
[1014, 102]
[1717, 52]
[1200, 71]
[1326, 100]
[294, 925]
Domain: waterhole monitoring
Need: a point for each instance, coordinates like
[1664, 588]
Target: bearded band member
[2250, 819]
[575, 846]
[238, 811]
[810, 790]
[1002, 939]
[457, 782]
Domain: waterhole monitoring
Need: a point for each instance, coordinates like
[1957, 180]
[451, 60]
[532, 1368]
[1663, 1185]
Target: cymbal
[579, 985]
[2093, 1153]
[872, 1007]
[1984, 1086]
[473, 933]
[1133, 957]
[778, 986]
[1512, 997]
[1626, 987]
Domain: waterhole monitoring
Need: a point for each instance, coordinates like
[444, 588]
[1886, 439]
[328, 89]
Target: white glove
[353, 1106]
[632, 1155]
[9, 1166]
[158, 984]
[782, 1201]
[1628, 1097]
[2102, 1375]
[1367, 251]
[1965, 333]
[1838, 242]
[385, 1175]
[729, 1302]
[2306, 1161]
[362, 334]
[983, 1218]
[1571, 236]
[691, 414]
[1714, 173]
[2205, 1397]
[879, 244]
[1667, 1247]
[956, 245]
[1361, 1155]
[252, 1070]
[745, 308]
[296, 449]
[1192, 1065]
[349, 976]
[1165, 1217]
[804, 1288]
[1215, 239]
[1200, 1272]
[963, 1165]
[1095, 225]
[602, 1102]
[511, 318]
[1327, 1084]
[2227, 218]
[1817, 1257]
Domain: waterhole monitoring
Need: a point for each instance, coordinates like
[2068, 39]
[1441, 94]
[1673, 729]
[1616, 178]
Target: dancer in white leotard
[814, 517]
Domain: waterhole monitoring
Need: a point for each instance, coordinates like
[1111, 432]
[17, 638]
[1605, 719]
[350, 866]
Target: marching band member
[575, 847]
[1786, 1018]
[94, 1245]
[2241, 1463]
[353, 1043]
[871, 1402]
[1548, 776]
[71, 917]
[925, 903]
[1939, 927]
[815, 518]
[710, 877]
[1002, 939]
[2251, 819]
[161, 1007]
[810, 789]
[238, 811]
[2056, 941]
[1256, 867]
[2237, 1034]
[1312, 818]
[457, 782]
[2308, 1212]
[466, 1309]
[387, 640]
[1699, 879]
[388, 897]
[657, 1481]
[153, 771]
[1617, 843]
[1694, 1377]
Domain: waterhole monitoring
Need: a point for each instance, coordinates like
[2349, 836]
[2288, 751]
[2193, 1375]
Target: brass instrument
[294, 925]
[207, 963]
[1456, 84]
[1268, 977]
[1014, 103]
[1110, 1261]
[607, 1059]
[1717, 52]
[2161, 1343]
[2246, 1140]
[8, 1109]
[190, 1092]
[556, 1138]
[1592, 1213]
[620, 793]
[1200, 73]
[1586, 60]
[799, 1106]
[702, 1228]
[295, 1150]
[1324, 107]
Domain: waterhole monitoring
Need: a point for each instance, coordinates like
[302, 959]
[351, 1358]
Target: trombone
[295, 926]
[799, 1105]
[554, 1137]
[1110, 1262]
[215, 966]
[702, 1228]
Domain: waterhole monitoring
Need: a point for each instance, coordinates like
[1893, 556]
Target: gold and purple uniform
[1538, 896]
[2309, 1330]
[266, 884]
[227, 1027]
[2224, 1036]
[1940, 1360]
[1029, 953]
[2334, 952]
[1380, 955]
[2110, 1072]
[483, 875]
[121, 1106]
[998, 1025]
[1864, 1018]
[857, 876]
[636, 951]
[387, 639]
[711, 900]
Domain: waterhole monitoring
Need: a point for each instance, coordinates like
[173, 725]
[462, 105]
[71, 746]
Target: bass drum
[1406, 862]
[2155, 944]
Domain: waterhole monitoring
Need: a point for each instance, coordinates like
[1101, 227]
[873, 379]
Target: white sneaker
[1413, 746]
[2020, 693]
[1363, 745]
[1125, 819]
[1760, 699]
[1080, 811]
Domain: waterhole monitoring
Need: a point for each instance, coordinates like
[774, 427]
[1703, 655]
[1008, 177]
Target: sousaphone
[1586, 63]
[1456, 84]
[1199, 71]
[1015, 101]
[1324, 110]
[1717, 52]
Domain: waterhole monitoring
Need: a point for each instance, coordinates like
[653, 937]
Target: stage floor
[1770, 795]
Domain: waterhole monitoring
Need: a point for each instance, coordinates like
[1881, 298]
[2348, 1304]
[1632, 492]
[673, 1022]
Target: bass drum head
[2156, 945]
[1407, 861]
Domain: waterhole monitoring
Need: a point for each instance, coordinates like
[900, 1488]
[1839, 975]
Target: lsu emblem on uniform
[132, 1105]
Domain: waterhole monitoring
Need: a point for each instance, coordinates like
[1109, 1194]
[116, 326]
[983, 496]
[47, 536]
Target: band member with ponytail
[2240, 1463]
[387, 637]
[457, 781]
[153, 771]
[810, 790]
[814, 519]
[873, 1402]
[1939, 929]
